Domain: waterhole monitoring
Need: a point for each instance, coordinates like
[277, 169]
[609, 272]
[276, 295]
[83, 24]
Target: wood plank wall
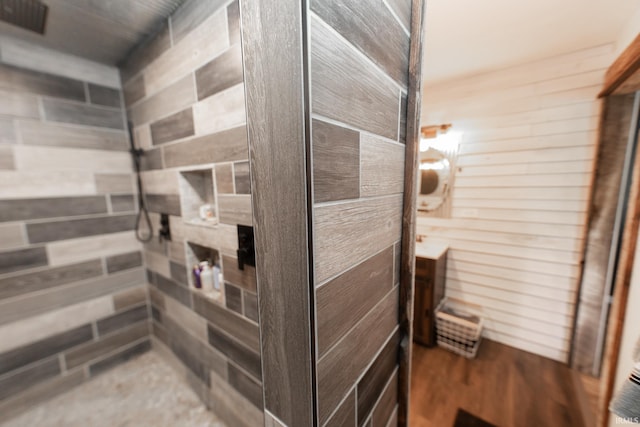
[184, 93]
[359, 78]
[73, 297]
[521, 193]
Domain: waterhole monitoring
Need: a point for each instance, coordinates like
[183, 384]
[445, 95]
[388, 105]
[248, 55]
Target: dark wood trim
[621, 293]
[624, 67]
[407, 262]
[274, 67]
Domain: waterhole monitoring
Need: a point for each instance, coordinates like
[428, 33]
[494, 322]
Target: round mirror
[433, 179]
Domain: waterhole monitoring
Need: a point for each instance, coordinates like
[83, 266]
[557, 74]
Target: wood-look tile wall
[520, 198]
[358, 80]
[184, 94]
[73, 298]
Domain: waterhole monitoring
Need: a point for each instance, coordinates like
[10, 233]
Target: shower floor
[142, 392]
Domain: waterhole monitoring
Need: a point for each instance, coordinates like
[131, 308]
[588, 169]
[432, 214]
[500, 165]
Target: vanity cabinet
[431, 267]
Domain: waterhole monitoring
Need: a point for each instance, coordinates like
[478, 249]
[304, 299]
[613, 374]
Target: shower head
[28, 14]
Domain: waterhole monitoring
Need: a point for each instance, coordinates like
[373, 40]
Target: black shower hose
[136, 154]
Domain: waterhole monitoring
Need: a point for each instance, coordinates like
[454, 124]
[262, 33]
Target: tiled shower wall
[184, 93]
[72, 287]
[359, 79]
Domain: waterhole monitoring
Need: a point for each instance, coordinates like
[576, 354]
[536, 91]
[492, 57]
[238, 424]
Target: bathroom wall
[184, 93]
[521, 193]
[326, 136]
[358, 183]
[72, 286]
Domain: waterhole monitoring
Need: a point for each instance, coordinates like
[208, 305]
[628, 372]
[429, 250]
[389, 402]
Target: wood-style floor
[504, 386]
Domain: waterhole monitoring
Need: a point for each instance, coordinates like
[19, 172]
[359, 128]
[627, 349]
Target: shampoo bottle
[206, 277]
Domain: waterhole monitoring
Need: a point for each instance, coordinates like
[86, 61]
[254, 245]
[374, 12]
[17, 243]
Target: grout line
[335, 410]
[397, 18]
[351, 127]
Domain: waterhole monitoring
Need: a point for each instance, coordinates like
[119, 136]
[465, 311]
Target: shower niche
[198, 198]
[197, 254]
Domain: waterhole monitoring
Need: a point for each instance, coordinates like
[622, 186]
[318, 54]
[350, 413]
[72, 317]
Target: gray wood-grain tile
[61, 135]
[241, 355]
[7, 131]
[120, 357]
[250, 301]
[12, 236]
[134, 90]
[343, 301]
[360, 23]
[105, 96]
[12, 385]
[345, 416]
[235, 209]
[233, 298]
[381, 167]
[225, 146]
[191, 14]
[23, 80]
[372, 384]
[105, 345]
[19, 105]
[347, 89]
[26, 209]
[176, 126]
[402, 9]
[172, 289]
[247, 386]
[50, 278]
[245, 279]
[80, 114]
[336, 162]
[22, 259]
[164, 203]
[122, 203]
[42, 349]
[33, 304]
[224, 178]
[194, 348]
[350, 232]
[179, 273]
[7, 161]
[233, 21]
[242, 179]
[359, 346]
[114, 183]
[388, 402]
[241, 329]
[70, 229]
[122, 319]
[273, 62]
[129, 297]
[221, 73]
[123, 262]
[174, 97]
[151, 159]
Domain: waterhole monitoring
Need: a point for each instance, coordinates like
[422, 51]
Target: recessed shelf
[195, 254]
[197, 197]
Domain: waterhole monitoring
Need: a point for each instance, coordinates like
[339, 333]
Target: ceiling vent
[28, 14]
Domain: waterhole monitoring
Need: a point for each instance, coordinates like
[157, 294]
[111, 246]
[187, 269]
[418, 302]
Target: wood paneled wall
[184, 92]
[329, 312]
[521, 194]
[73, 299]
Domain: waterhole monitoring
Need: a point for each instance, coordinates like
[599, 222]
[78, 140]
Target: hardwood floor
[504, 386]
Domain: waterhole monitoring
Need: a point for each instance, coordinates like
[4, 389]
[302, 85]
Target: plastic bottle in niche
[196, 277]
[206, 277]
[216, 277]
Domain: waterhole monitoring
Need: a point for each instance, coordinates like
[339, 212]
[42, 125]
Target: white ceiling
[467, 37]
